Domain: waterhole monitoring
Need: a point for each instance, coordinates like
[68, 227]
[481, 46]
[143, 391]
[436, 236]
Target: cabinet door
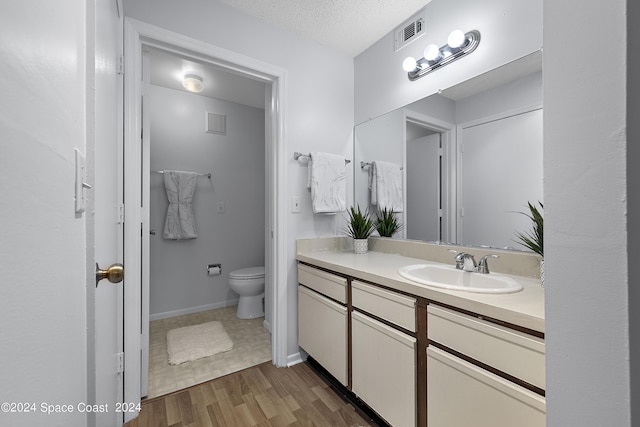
[462, 394]
[384, 369]
[322, 331]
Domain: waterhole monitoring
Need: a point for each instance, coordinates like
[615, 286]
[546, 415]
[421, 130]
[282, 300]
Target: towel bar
[208, 175]
[297, 155]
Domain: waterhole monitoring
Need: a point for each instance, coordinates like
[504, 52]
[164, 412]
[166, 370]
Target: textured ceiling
[350, 26]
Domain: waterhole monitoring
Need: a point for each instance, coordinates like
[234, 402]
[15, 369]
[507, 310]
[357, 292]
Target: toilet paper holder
[214, 269]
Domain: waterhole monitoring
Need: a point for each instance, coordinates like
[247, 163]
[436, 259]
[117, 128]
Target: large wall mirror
[470, 157]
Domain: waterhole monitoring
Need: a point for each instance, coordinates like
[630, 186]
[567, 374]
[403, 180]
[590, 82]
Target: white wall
[318, 104]
[509, 30]
[47, 60]
[586, 214]
[235, 238]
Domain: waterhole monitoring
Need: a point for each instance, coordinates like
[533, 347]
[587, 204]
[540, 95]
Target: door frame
[448, 176]
[136, 35]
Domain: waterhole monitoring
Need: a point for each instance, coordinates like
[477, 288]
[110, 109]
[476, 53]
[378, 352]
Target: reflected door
[423, 219]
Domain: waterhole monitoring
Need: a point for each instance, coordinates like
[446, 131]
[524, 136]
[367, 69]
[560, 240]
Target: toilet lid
[248, 273]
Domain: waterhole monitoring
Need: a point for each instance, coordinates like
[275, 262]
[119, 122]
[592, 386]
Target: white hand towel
[180, 223]
[386, 186]
[328, 183]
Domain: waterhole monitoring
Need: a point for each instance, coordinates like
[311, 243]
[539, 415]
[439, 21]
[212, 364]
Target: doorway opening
[138, 37]
[429, 176]
[188, 279]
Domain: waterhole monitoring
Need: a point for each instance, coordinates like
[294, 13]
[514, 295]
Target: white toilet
[249, 284]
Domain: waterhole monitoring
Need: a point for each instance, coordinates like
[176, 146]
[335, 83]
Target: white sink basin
[448, 277]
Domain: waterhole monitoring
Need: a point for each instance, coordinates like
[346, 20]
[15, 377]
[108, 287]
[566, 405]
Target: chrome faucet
[466, 262]
[483, 267]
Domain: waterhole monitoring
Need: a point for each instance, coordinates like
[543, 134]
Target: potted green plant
[387, 224]
[532, 240]
[359, 227]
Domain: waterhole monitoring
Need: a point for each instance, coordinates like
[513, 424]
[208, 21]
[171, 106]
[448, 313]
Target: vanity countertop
[524, 308]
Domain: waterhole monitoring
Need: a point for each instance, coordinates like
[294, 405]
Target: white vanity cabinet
[383, 356]
[322, 319]
[476, 372]
[416, 360]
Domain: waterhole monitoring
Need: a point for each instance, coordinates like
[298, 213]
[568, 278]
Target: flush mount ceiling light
[193, 83]
[458, 45]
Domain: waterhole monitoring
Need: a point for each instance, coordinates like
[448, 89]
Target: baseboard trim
[191, 310]
[266, 325]
[294, 359]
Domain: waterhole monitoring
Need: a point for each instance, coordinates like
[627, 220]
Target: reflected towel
[180, 223]
[386, 186]
[328, 187]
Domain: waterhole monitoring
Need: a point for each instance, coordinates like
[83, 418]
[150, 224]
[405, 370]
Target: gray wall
[235, 238]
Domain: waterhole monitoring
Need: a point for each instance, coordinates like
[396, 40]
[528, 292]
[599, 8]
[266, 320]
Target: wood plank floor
[259, 396]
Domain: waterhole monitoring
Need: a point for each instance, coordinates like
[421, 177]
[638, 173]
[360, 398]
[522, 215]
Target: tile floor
[252, 345]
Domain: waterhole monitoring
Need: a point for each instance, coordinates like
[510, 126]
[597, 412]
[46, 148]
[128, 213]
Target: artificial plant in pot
[387, 224]
[360, 226]
[532, 240]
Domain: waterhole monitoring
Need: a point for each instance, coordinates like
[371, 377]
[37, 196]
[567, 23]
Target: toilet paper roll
[213, 271]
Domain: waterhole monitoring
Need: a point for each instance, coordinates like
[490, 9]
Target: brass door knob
[114, 273]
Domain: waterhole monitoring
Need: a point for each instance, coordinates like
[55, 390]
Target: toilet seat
[247, 273]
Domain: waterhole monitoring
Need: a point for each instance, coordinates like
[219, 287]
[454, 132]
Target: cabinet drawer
[513, 352]
[390, 306]
[462, 394]
[384, 369]
[322, 331]
[325, 283]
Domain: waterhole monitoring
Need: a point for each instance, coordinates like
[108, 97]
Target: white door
[108, 229]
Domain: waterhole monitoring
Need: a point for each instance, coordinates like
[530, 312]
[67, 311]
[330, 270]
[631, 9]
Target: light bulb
[432, 52]
[409, 64]
[193, 83]
[456, 39]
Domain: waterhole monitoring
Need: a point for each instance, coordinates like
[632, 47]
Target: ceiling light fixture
[193, 83]
[458, 45]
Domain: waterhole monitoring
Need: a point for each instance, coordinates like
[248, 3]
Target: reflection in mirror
[471, 157]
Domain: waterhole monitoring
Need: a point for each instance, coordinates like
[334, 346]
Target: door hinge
[120, 362]
[120, 64]
[441, 152]
[120, 213]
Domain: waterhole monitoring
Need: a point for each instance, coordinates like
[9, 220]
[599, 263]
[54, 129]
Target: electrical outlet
[295, 204]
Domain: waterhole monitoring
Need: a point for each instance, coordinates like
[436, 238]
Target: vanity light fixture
[193, 83]
[458, 45]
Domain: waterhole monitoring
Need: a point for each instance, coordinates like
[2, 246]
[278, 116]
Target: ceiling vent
[216, 123]
[408, 32]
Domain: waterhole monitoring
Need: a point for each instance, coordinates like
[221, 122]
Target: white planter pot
[360, 246]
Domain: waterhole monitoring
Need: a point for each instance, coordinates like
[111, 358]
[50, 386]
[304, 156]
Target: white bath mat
[198, 341]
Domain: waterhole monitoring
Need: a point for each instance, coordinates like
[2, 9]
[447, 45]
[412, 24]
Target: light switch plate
[295, 204]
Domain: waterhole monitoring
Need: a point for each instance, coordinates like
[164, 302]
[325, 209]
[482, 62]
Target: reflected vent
[408, 32]
[216, 123]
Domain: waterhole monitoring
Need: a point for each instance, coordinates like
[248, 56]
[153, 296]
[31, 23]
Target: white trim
[191, 310]
[448, 132]
[501, 115]
[136, 34]
[294, 359]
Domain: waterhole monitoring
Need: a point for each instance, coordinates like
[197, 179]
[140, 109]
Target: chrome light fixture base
[448, 54]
